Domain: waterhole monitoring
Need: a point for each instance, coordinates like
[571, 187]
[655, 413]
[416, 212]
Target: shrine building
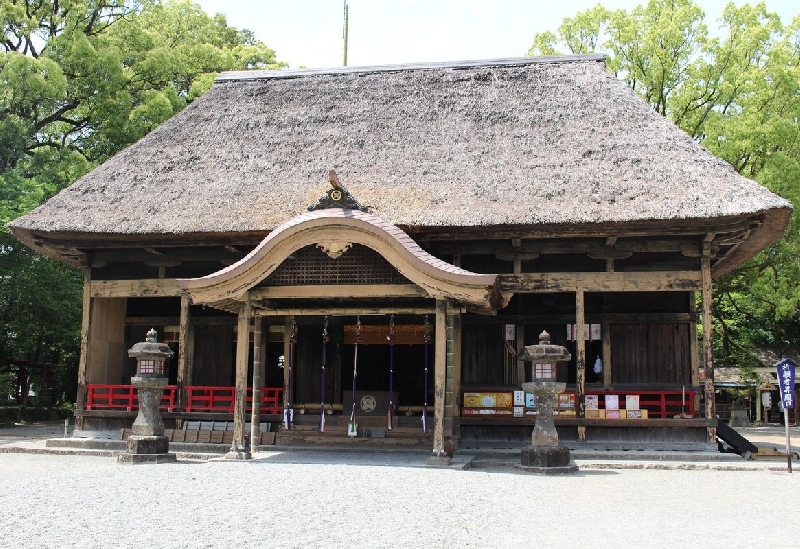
[366, 251]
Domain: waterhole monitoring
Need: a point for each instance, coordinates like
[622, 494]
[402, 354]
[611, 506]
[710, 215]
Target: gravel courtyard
[369, 501]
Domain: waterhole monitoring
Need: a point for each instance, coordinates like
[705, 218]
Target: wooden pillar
[452, 370]
[184, 364]
[457, 374]
[520, 348]
[440, 366]
[694, 355]
[708, 339]
[519, 330]
[288, 361]
[580, 374]
[258, 373]
[86, 327]
[606, 353]
[240, 398]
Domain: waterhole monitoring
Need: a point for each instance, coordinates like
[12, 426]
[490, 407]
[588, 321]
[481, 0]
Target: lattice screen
[358, 265]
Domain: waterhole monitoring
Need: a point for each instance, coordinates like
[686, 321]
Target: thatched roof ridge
[520, 142]
[503, 62]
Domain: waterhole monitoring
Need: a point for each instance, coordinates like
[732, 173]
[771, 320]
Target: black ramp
[734, 439]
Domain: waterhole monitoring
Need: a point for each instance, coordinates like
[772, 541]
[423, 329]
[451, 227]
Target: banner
[786, 373]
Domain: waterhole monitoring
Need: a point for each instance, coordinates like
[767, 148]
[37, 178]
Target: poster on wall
[566, 400]
[488, 400]
[591, 332]
[612, 402]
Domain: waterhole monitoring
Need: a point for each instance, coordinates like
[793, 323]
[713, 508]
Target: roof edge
[773, 224]
[231, 76]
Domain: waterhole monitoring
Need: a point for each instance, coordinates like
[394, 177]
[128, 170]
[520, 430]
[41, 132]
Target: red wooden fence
[198, 398]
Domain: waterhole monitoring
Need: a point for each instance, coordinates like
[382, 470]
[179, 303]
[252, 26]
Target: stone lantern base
[147, 449]
[549, 460]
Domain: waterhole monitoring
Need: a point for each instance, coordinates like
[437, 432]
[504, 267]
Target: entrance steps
[372, 431]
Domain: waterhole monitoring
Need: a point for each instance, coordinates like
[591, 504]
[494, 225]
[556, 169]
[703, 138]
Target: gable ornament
[336, 197]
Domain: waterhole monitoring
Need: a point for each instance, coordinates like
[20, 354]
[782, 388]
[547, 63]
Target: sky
[308, 33]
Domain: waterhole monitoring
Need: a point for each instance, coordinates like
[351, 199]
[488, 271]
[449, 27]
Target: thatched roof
[532, 141]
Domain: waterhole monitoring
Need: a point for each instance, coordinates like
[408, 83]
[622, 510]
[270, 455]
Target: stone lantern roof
[150, 347]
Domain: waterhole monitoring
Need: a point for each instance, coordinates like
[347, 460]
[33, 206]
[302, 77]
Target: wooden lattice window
[358, 265]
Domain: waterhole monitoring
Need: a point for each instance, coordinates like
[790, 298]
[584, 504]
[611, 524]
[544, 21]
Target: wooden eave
[733, 239]
[335, 230]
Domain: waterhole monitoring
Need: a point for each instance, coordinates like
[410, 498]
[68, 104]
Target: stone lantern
[148, 444]
[545, 455]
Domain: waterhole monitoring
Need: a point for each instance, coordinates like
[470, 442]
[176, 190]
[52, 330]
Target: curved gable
[335, 231]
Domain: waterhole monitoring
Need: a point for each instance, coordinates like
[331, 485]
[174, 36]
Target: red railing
[123, 397]
[198, 398]
[659, 404]
[221, 399]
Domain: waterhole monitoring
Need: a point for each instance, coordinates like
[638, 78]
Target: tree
[735, 92]
[79, 81]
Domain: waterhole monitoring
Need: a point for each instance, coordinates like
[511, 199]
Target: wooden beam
[149, 287]
[173, 320]
[564, 231]
[595, 318]
[347, 311]
[648, 281]
[559, 246]
[354, 291]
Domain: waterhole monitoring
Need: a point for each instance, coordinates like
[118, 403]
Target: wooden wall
[651, 353]
[482, 353]
[107, 341]
[214, 348]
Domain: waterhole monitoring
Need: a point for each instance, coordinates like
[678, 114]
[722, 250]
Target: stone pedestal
[550, 460]
[238, 455]
[148, 421]
[739, 417]
[442, 460]
[147, 449]
[544, 455]
[148, 443]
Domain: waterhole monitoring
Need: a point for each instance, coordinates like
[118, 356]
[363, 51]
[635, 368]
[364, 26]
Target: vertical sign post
[786, 377]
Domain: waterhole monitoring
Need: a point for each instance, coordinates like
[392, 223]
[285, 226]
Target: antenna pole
[344, 33]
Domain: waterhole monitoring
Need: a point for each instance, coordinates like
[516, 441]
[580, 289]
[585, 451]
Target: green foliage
[79, 81]
[6, 388]
[734, 91]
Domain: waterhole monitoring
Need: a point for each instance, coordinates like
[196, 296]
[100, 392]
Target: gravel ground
[354, 502]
